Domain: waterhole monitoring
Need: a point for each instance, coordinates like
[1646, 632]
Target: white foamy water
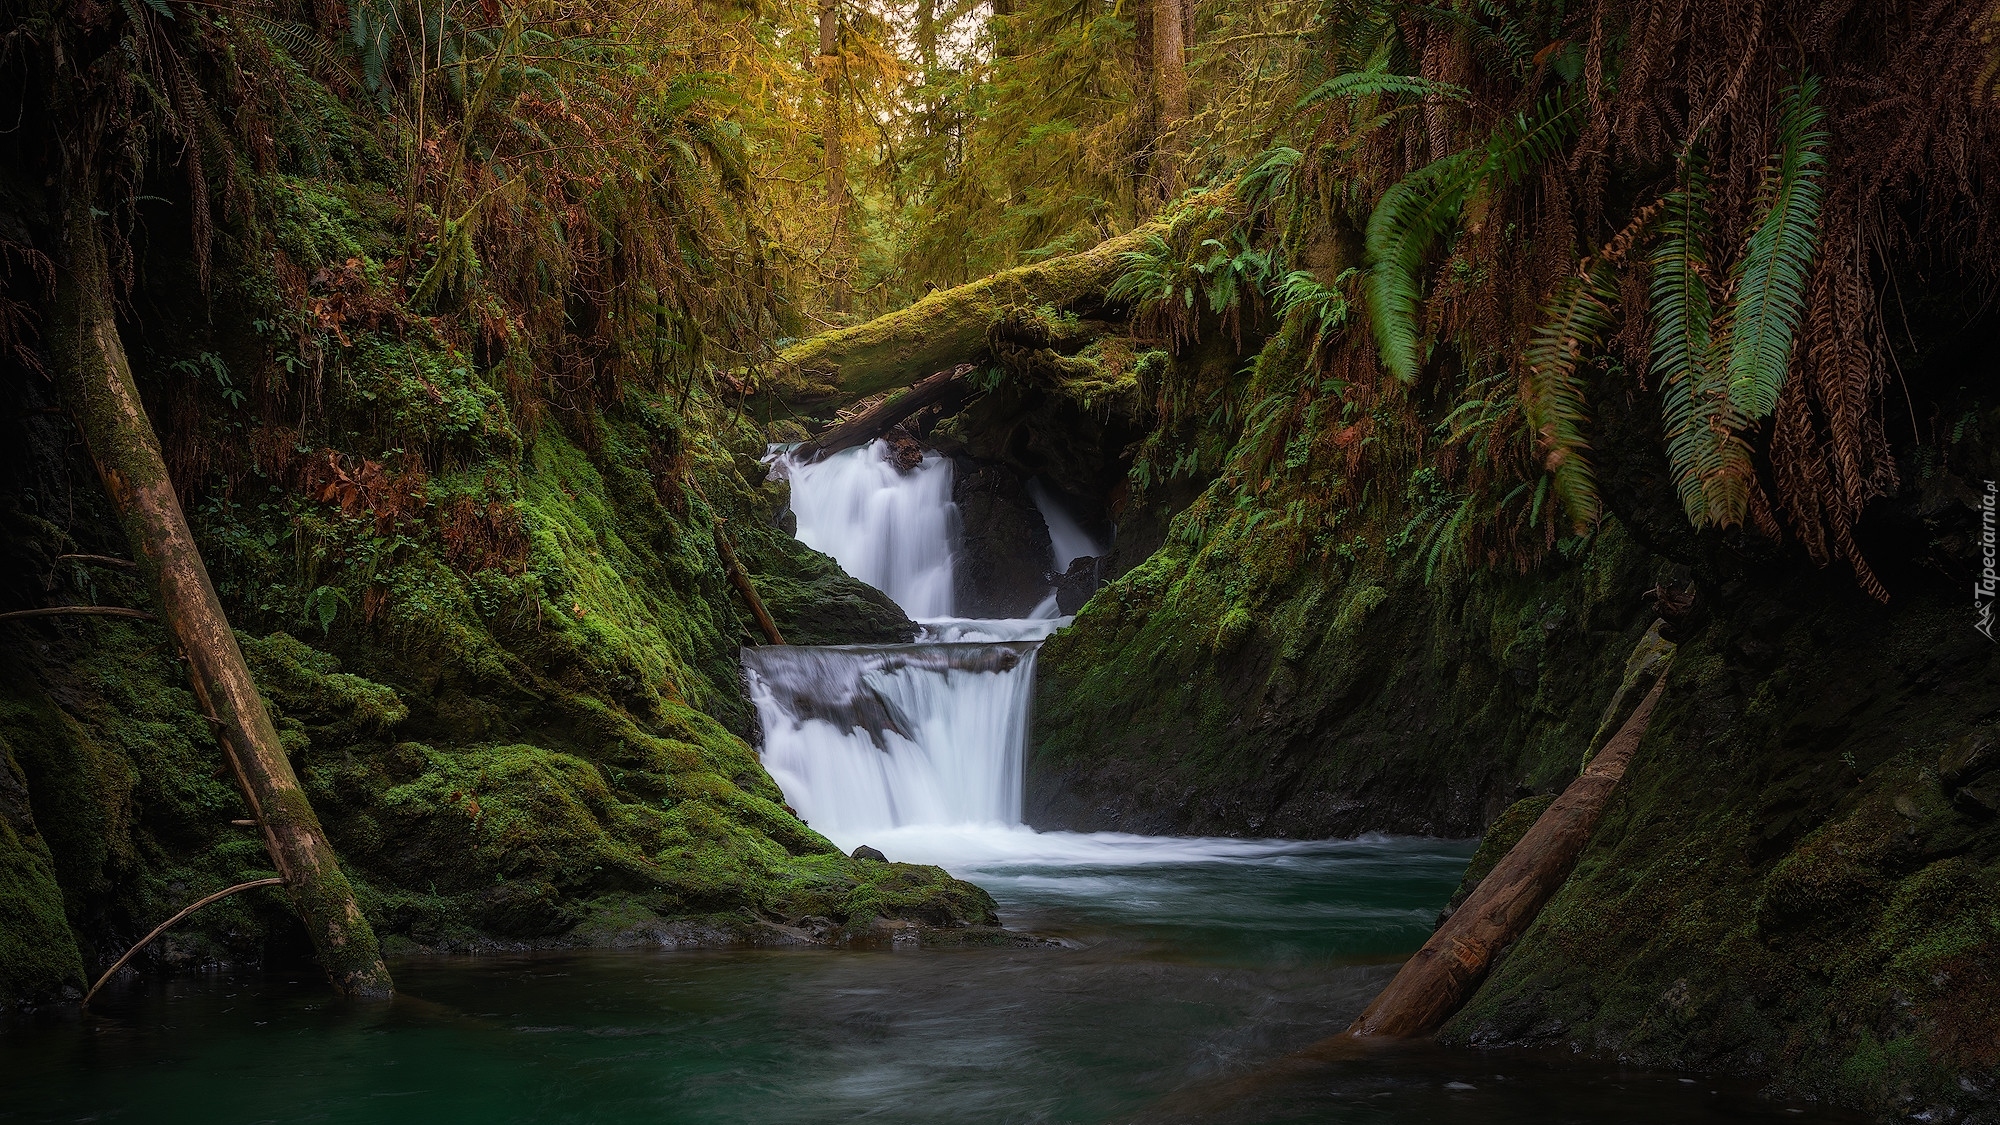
[893, 530]
[868, 739]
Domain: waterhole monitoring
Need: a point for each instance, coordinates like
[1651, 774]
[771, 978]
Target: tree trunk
[883, 416]
[1435, 983]
[1168, 65]
[834, 146]
[90, 359]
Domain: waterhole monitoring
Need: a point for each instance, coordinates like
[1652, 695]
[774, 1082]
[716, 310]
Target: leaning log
[90, 361]
[1435, 983]
[884, 416]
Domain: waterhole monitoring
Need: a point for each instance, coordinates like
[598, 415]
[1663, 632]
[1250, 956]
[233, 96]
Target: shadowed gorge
[1020, 560]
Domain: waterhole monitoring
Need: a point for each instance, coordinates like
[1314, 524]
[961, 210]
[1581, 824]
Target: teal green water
[1184, 968]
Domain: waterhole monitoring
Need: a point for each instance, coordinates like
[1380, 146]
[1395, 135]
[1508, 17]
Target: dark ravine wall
[502, 656]
[1338, 702]
[1800, 878]
[1793, 880]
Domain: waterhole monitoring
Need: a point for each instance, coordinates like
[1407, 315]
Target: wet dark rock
[904, 449]
[1968, 758]
[1077, 583]
[866, 852]
[1005, 555]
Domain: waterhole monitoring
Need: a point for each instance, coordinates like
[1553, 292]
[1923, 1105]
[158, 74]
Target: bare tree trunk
[834, 146]
[1168, 65]
[90, 359]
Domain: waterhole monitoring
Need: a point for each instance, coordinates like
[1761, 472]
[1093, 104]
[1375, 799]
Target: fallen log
[1435, 983]
[946, 327]
[88, 359]
[884, 416]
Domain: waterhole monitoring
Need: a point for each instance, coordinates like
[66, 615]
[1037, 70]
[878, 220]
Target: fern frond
[1705, 449]
[1771, 277]
[1415, 212]
[1371, 84]
[1552, 394]
[1422, 206]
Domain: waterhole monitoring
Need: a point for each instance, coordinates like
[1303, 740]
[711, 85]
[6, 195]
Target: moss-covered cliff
[488, 611]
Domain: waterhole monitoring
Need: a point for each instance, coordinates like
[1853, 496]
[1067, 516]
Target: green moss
[1494, 844]
[1782, 885]
[38, 953]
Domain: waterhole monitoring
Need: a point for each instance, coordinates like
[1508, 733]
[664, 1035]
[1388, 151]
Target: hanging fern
[1710, 461]
[1426, 204]
[1552, 394]
[1770, 279]
[1413, 214]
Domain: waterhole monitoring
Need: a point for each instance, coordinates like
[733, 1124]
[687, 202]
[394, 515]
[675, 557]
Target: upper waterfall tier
[892, 529]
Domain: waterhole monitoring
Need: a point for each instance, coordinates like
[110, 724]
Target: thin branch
[162, 928]
[99, 560]
[79, 611]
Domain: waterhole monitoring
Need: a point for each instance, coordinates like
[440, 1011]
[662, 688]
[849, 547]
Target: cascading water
[891, 529]
[869, 740]
[919, 749]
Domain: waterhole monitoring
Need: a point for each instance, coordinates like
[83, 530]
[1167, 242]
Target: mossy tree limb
[885, 415]
[90, 362]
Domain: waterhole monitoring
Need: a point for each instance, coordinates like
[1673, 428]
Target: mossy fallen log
[89, 361]
[947, 327]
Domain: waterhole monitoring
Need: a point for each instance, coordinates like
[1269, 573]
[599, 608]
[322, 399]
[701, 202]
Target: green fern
[1552, 394]
[1414, 213]
[1705, 448]
[1770, 279]
[1375, 84]
[1426, 204]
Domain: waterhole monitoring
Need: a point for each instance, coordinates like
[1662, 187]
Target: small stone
[866, 852]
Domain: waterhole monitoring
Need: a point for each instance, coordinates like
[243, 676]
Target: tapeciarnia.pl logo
[1984, 589]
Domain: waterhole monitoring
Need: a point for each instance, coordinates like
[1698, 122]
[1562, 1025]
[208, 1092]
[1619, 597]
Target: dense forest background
[1419, 355]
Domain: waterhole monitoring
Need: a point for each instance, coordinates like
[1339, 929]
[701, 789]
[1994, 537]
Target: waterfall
[870, 740]
[1070, 540]
[866, 739]
[891, 529]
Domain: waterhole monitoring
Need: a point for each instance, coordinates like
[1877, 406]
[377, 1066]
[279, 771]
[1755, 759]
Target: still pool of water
[1189, 967]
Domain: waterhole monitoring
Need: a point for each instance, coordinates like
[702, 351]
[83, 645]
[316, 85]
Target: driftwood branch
[882, 417]
[164, 926]
[741, 579]
[79, 611]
